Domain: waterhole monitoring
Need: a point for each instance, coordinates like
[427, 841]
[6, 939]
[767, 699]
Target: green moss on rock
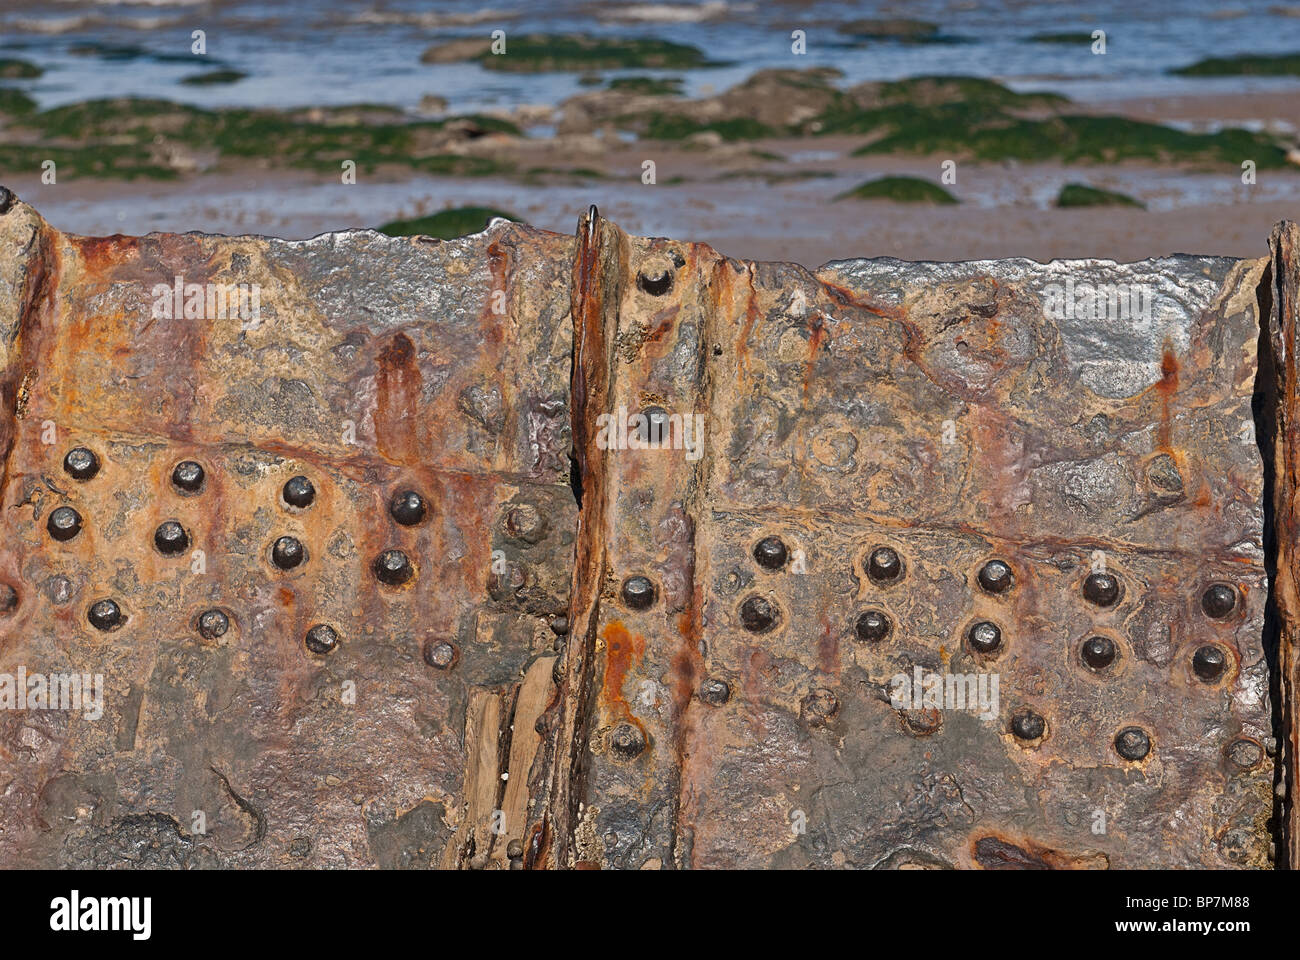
[900, 190]
[15, 103]
[577, 53]
[214, 77]
[648, 86]
[994, 135]
[1287, 64]
[279, 138]
[1082, 195]
[14, 69]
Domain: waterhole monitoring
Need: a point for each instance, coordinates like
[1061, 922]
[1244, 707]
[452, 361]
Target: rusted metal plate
[939, 411]
[375, 366]
[686, 645]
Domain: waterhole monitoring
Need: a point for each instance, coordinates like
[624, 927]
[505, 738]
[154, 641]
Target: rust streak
[397, 395]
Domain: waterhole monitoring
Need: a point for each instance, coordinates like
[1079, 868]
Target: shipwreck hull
[703, 552]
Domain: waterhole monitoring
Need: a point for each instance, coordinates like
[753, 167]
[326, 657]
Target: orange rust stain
[816, 334]
[684, 665]
[1168, 371]
[686, 659]
[1167, 386]
[664, 323]
[99, 253]
[397, 395]
[286, 597]
[751, 317]
[687, 667]
[994, 351]
[622, 649]
[851, 298]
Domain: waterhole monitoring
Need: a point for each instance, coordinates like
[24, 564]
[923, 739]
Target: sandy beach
[752, 208]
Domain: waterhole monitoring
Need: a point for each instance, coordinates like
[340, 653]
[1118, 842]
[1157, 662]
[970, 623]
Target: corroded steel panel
[375, 366]
[686, 524]
[945, 413]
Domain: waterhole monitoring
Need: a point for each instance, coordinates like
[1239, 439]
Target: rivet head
[408, 508]
[715, 691]
[627, 740]
[515, 850]
[525, 522]
[504, 586]
[873, 626]
[58, 589]
[393, 567]
[1028, 725]
[770, 553]
[1219, 601]
[105, 615]
[81, 463]
[652, 426]
[213, 624]
[298, 492]
[639, 592]
[170, 538]
[1132, 743]
[1208, 663]
[655, 281]
[64, 524]
[440, 654]
[884, 565]
[8, 598]
[1103, 589]
[1097, 653]
[560, 626]
[758, 615]
[921, 723]
[1245, 753]
[984, 636]
[995, 577]
[287, 553]
[819, 707]
[321, 639]
[1162, 473]
[188, 476]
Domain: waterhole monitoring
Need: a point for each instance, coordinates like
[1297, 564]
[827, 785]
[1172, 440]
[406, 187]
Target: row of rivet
[391, 567]
[320, 638]
[885, 566]
[758, 615]
[1131, 743]
[819, 708]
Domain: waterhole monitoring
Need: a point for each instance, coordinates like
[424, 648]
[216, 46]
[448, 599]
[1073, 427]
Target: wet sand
[749, 207]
